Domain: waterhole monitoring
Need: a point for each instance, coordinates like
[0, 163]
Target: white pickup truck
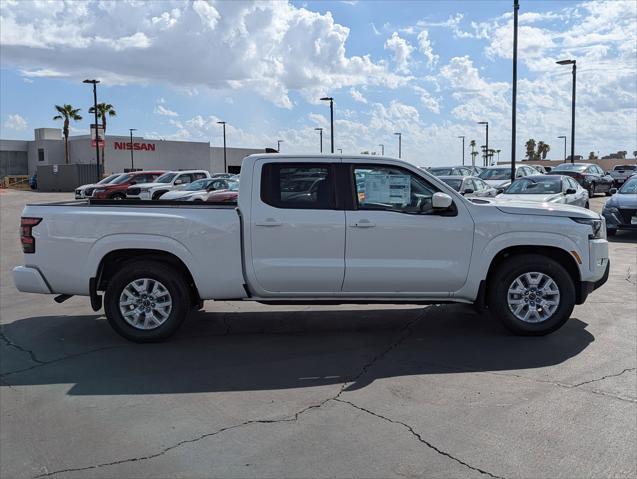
[316, 229]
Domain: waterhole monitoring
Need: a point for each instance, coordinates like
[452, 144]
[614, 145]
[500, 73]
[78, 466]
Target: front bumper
[587, 287]
[29, 280]
[616, 220]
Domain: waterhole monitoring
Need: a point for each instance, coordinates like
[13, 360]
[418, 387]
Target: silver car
[470, 186]
[449, 170]
[546, 189]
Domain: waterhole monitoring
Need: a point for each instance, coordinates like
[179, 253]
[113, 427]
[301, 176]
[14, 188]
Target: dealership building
[22, 157]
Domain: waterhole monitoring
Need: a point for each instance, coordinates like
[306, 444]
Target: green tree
[530, 149]
[622, 154]
[67, 113]
[103, 109]
[474, 153]
[542, 150]
[592, 156]
[635, 154]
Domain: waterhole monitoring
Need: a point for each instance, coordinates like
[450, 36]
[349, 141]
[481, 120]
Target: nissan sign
[127, 145]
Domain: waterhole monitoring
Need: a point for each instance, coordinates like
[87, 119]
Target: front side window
[393, 189]
[298, 186]
[630, 187]
[166, 178]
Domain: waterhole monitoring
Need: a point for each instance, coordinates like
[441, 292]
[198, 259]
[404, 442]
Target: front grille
[133, 191]
[626, 215]
[89, 191]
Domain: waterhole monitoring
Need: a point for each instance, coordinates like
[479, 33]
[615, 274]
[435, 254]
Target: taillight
[26, 238]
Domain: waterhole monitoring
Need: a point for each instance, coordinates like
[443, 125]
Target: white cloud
[402, 51]
[427, 100]
[426, 48]
[162, 110]
[357, 96]
[15, 122]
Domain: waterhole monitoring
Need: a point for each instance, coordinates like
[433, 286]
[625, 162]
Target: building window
[40, 154]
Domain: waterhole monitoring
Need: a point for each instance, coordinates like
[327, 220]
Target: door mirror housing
[179, 182]
[441, 201]
[613, 191]
[571, 191]
[468, 191]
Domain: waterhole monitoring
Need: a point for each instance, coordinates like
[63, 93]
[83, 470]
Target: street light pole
[132, 163]
[225, 164]
[562, 136]
[382, 149]
[320, 130]
[340, 150]
[331, 100]
[574, 63]
[462, 149]
[486, 146]
[400, 144]
[514, 100]
[97, 136]
[278, 145]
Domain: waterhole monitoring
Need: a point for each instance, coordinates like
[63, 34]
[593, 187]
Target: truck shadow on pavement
[269, 350]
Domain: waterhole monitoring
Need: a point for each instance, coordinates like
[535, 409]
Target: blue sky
[428, 69]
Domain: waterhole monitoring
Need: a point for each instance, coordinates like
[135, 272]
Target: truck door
[396, 241]
[297, 234]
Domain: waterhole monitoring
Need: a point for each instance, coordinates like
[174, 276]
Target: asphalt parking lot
[246, 390]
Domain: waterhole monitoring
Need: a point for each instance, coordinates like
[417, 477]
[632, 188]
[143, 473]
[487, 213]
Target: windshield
[535, 186]
[569, 167]
[122, 179]
[198, 185]
[166, 178]
[496, 174]
[441, 171]
[233, 186]
[109, 179]
[454, 183]
[625, 167]
[629, 188]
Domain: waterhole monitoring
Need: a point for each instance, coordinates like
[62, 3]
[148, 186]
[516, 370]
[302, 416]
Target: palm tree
[472, 144]
[67, 113]
[545, 150]
[498, 152]
[103, 109]
[530, 149]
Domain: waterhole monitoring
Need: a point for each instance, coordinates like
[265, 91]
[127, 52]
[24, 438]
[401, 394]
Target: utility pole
[97, 130]
[225, 163]
[400, 144]
[574, 63]
[278, 145]
[516, 7]
[331, 100]
[462, 149]
[564, 137]
[382, 149]
[132, 162]
[320, 130]
[486, 146]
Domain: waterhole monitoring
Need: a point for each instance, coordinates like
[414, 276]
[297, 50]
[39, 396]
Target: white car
[80, 191]
[165, 183]
[500, 176]
[392, 233]
[546, 189]
[197, 190]
[470, 186]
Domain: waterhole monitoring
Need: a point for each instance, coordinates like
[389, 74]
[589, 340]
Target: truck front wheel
[532, 295]
[146, 301]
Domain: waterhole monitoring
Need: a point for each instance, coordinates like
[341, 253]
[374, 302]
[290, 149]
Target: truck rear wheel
[146, 301]
[532, 295]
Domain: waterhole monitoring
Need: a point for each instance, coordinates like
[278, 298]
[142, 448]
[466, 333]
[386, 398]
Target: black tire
[611, 232]
[157, 194]
[587, 206]
[591, 190]
[118, 196]
[170, 278]
[505, 275]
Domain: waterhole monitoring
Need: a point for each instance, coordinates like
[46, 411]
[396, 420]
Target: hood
[178, 194]
[544, 209]
[149, 185]
[623, 200]
[542, 198]
[496, 183]
[83, 187]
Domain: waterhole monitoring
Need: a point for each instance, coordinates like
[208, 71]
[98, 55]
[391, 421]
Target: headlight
[595, 224]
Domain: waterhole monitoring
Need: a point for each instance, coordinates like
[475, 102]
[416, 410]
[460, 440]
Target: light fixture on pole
[462, 149]
[97, 136]
[320, 130]
[340, 150]
[400, 144]
[514, 95]
[486, 146]
[382, 149]
[564, 137]
[278, 145]
[574, 63]
[225, 164]
[331, 100]
[132, 162]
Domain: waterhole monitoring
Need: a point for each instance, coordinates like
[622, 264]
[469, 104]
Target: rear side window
[298, 185]
[199, 176]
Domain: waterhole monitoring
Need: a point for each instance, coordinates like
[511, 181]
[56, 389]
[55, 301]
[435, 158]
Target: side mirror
[468, 191]
[179, 182]
[613, 191]
[571, 191]
[499, 191]
[441, 201]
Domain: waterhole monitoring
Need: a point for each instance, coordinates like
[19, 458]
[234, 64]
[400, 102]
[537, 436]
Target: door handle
[268, 222]
[364, 223]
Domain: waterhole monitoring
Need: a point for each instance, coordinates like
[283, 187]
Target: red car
[116, 190]
[226, 196]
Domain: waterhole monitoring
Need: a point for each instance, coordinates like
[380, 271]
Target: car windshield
[166, 178]
[496, 174]
[629, 188]
[569, 167]
[625, 167]
[535, 186]
[199, 184]
[441, 171]
[122, 179]
[109, 179]
[454, 183]
[233, 186]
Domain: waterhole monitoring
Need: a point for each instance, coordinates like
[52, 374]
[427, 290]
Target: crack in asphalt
[404, 334]
[628, 277]
[11, 344]
[419, 437]
[605, 377]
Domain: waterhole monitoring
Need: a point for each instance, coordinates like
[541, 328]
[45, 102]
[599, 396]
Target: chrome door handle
[268, 222]
[363, 224]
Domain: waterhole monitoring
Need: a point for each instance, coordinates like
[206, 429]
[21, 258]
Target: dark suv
[590, 176]
[116, 190]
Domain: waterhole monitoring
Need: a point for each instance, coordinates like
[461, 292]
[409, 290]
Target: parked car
[116, 189]
[590, 176]
[542, 169]
[80, 191]
[165, 183]
[546, 189]
[620, 210]
[470, 186]
[33, 181]
[197, 190]
[621, 173]
[222, 175]
[224, 196]
[500, 176]
[450, 171]
[411, 238]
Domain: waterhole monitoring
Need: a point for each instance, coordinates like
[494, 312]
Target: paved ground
[379, 391]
